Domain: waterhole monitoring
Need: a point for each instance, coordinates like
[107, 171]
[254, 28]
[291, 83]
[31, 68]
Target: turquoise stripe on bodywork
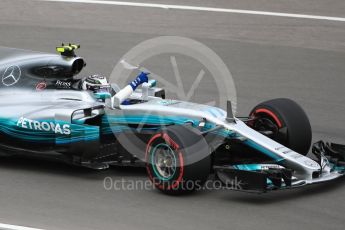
[149, 119]
[114, 122]
[117, 124]
[248, 167]
[9, 127]
[78, 132]
[252, 167]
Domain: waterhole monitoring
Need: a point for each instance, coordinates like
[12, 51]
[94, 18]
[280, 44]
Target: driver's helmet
[98, 84]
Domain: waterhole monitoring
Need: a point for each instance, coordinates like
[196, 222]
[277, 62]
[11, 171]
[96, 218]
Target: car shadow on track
[60, 168]
[272, 197]
[39, 166]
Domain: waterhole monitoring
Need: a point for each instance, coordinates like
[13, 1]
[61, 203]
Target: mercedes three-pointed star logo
[11, 75]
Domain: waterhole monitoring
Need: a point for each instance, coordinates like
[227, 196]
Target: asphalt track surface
[269, 57]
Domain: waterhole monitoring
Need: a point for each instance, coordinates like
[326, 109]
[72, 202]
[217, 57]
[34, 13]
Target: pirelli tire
[178, 160]
[291, 125]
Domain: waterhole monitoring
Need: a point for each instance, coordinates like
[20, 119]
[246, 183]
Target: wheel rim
[163, 161]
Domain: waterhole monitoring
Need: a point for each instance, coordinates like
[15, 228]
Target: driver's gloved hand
[141, 78]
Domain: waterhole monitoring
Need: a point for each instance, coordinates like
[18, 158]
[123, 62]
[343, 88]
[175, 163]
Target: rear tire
[291, 126]
[178, 160]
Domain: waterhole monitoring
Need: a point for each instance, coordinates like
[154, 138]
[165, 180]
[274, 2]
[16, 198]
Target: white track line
[15, 227]
[199, 8]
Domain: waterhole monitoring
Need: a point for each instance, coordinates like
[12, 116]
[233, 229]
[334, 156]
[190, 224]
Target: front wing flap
[267, 177]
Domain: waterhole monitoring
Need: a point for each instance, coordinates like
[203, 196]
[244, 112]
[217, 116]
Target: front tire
[288, 122]
[178, 160]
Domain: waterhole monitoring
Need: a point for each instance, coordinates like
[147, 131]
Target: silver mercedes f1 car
[46, 112]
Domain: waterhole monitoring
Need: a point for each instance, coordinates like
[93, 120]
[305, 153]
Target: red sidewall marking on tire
[150, 142]
[175, 146]
[170, 141]
[148, 148]
[270, 113]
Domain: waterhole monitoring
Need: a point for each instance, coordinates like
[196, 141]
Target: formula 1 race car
[46, 112]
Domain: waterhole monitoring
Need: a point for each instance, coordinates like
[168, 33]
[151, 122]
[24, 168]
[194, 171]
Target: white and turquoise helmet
[98, 84]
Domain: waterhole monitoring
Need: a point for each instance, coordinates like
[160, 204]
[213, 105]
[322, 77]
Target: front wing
[267, 177]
